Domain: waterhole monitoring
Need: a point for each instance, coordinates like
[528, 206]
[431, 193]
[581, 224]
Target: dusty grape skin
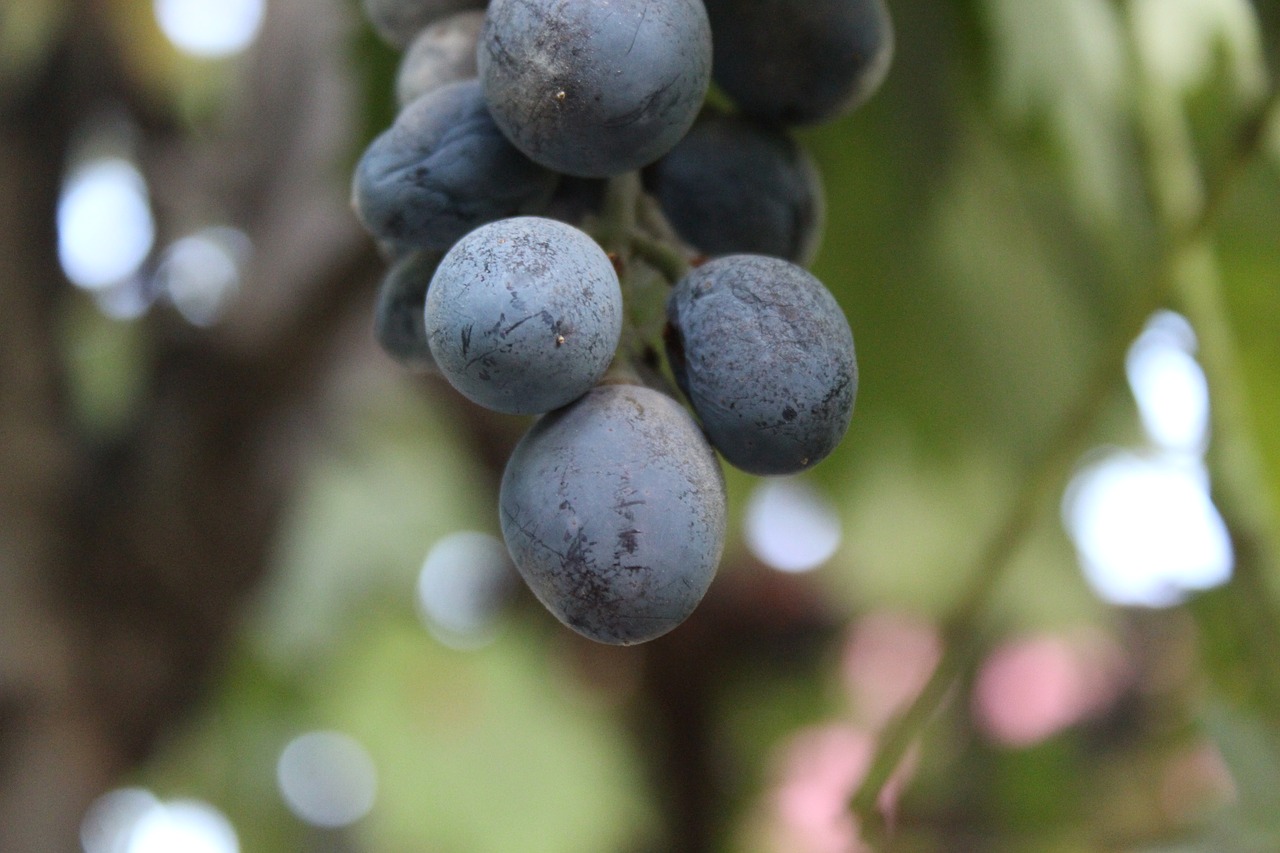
[398, 313]
[524, 315]
[765, 356]
[595, 88]
[734, 185]
[443, 53]
[442, 169]
[399, 21]
[613, 509]
[800, 61]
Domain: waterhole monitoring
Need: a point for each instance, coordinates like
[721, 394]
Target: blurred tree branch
[1048, 474]
[124, 560]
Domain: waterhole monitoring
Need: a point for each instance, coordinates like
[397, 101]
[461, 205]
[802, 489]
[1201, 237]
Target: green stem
[1048, 475]
[1240, 490]
[962, 628]
[661, 255]
[618, 213]
[1237, 459]
[1249, 617]
[646, 264]
[655, 222]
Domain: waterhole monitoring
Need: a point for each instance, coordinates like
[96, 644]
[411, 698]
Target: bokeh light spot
[327, 778]
[887, 661]
[210, 28]
[105, 226]
[111, 818]
[821, 768]
[191, 826]
[464, 584]
[790, 525]
[1196, 781]
[1146, 529]
[1031, 688]
[1169, 385]
[201, 273]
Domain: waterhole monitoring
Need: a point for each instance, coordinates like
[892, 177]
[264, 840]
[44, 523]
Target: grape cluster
[551, 161]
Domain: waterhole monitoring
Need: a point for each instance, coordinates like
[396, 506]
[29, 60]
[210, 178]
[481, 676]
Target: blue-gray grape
[444, 52]
[800, 61]
[734, 185]
[442, 169]
[524, 315]
[765, 355]
[613, 505]
[595, 88]
[613, 510]
[399, 21]
[398, 314]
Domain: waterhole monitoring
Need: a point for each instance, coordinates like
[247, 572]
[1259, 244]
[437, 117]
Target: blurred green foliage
[995, 215]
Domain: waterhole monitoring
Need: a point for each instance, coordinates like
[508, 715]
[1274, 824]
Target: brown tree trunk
[125, 558]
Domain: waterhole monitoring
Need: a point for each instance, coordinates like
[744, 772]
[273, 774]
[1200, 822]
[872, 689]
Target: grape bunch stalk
[562, 207]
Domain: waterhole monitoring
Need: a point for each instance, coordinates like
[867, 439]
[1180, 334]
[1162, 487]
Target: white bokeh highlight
[210, 28]
[327, 778]
[110, 819]
[1143, 523]
[463, 587]
[105, 226]
[1169, 385]
[191, 826]
[201, 273]
[790, 526]
[134, 820]
[1146, 530]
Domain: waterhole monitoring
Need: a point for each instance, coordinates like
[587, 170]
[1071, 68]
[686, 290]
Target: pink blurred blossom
[1196, 781]
[820, 769]
[887, 660]
[1031, 688]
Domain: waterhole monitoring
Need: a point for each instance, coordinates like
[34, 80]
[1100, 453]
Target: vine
[1186, 239]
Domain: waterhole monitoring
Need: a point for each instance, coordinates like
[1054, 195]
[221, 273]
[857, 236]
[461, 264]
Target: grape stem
[962, 630]
[618, 213]
[631, 225]
[646, 254]
[660, 255]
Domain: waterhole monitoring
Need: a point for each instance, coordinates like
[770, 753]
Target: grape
[444, 52]
[613, 505]
[613, 510]
[733, 185]
[397, 321]
[398, 21]
[800, 61]
[595, 88]
[765, 356]
[442, 169]
[524, 315]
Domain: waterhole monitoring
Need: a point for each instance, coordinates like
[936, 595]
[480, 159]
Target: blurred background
[251, 597]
